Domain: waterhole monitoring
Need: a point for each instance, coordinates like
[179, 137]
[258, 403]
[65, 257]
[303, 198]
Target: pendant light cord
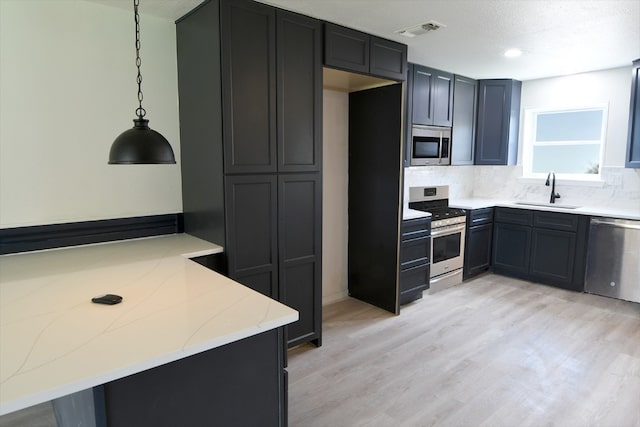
[140, 112]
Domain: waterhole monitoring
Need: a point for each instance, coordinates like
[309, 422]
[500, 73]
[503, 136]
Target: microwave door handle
[440, 146]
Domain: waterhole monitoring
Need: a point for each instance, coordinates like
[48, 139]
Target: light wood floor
[493, 351]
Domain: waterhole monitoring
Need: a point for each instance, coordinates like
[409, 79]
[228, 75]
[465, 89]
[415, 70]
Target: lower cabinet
[300, 253]
[274, 243]
[239, 384]
[511, 248]
[415, 259]
[541, 246]
[477, 248]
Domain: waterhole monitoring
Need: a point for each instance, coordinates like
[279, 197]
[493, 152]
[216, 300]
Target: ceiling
[557, 37]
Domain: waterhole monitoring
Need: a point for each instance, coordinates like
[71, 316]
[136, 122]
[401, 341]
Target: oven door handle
[447, 229]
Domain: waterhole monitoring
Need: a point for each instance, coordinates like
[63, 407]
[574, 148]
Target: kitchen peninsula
[187, 346]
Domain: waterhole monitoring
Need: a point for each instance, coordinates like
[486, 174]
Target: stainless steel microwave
[430, 146]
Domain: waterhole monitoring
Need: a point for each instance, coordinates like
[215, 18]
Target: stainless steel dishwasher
[613, 259]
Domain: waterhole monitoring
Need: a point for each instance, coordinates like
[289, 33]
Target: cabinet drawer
[514, 216]
[416, 278]
[556, 221]
[480, 217]
[415, 252]
[414, 228]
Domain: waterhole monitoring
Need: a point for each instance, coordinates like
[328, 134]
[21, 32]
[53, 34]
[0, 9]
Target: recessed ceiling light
[512, 53]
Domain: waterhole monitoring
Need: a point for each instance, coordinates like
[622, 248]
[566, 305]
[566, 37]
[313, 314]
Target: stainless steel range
[447, 234]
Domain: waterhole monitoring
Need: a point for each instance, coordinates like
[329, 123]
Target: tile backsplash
[621, 187]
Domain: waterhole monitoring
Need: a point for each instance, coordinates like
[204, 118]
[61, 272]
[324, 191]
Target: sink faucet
[554, 195]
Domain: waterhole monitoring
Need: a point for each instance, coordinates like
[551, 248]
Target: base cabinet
[511, 248]
[415, 259]
[541, 246]
[239, 384]
[552, 255]
[477, 248]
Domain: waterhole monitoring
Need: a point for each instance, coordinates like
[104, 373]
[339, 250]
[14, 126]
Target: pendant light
[140, 144]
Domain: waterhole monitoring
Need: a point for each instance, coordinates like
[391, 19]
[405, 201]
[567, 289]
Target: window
[569, 142]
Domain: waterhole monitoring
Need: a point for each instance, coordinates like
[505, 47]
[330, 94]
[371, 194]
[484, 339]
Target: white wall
[335, 181]
[621, 187]
[68, 89]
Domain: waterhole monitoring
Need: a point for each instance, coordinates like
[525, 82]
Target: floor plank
[493, 351]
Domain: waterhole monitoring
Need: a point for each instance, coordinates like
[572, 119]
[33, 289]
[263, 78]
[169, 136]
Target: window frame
[529, 142]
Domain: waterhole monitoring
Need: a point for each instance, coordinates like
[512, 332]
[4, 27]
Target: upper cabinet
[431, 96]
[498, 122]
[351, 50]
[299, 92]
[249, 87]
[633, 143]
[463, 133]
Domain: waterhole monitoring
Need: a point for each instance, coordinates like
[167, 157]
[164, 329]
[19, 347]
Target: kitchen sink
[547, 205]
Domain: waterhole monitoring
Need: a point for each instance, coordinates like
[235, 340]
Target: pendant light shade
[140, 144]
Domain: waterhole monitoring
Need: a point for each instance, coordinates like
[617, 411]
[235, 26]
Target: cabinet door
[388, 59]
[346, 49]
[633, 142]
[248, 33]
[299, 87]
[511, 248]
[442, 98]
[300, 253]
[498, 120]
[463, 133]
[251, 215]
[477, 256]
[422, 79]
[552, 256]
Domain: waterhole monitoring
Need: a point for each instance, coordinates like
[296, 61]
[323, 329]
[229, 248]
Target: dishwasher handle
[635, 225]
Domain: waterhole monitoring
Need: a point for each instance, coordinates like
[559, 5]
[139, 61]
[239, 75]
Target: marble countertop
[413, 214]
[479, 203]
[54, 341]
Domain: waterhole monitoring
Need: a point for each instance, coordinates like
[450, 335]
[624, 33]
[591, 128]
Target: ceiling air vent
[418, 30]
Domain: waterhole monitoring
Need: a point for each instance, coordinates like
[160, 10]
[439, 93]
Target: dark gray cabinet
[478, 242]
[463, 132]
[243, 383]
[431, 96]
[251, 210]
[351, 50]
[498, 122]
[375, 182]
[248, 32]
[300, 253]
[544, 247]
[242, 179]
[299, 92]
[415, 258]
[633, 141]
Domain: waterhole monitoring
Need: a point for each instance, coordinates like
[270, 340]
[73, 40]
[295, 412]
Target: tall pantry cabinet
[250, 84]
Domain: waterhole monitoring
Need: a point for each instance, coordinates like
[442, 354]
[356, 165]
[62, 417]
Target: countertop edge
[472, 204]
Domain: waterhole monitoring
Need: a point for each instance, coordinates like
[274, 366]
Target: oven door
[447, 249]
